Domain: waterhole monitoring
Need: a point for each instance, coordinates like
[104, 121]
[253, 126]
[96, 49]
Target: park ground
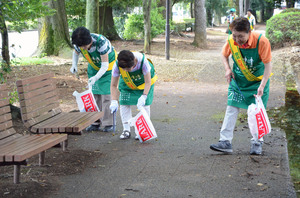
[187, 112]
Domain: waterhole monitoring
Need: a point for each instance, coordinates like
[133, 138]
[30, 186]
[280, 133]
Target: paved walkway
[180, 163]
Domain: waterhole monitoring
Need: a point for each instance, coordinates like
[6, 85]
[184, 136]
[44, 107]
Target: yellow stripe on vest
[126, 77]
[236, 54]
[88, 58]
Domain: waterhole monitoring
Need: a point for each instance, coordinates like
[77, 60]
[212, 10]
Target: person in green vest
[136, 86]
[100, 54]
[231, 18]
[249, 78]
[251, 19]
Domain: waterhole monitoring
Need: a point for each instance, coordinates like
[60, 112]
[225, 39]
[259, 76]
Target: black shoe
[108, 128]
[93, 128]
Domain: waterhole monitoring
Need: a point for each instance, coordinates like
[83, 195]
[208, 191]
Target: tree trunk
[262, 11]
[247, 5]
[162, 3]
[241, 8]
[192, 10]
[4, 35]
[92, 16]
[54, 32]
[147, 26]
[106, 23]
[200, 24]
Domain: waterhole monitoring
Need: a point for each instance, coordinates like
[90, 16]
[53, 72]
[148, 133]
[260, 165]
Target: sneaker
[256, 148]
[125, 135]
[108, 128]
[93, 127]
[222, 146]
[136, 137]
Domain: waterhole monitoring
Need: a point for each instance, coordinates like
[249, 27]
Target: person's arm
[228, 71]
[102, 70]
[114, 88]
[267, 73]
[75, 58]
[147, 78]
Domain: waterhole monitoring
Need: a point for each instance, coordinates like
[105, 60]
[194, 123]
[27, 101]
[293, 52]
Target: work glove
[75, 58]
[141, 101]
[113, 106]
[99, 74]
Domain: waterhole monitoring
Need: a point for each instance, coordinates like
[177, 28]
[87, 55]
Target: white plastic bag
[143, 126]
[258, 119]
[86, 101]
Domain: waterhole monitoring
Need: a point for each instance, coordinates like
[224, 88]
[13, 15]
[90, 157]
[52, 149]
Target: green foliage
[75, 10]
[290, 10]
[134, 25]
[283, 28]
[13, 96]
[20, 13]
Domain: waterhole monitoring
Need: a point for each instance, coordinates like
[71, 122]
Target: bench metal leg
[17, 172]
[64, 145]
[42, 158]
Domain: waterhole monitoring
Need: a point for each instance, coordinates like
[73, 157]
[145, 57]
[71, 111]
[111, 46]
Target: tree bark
[262, 11]
[106, 23]
[200, 24]
[147, 26]
[5, 44]
[92, 15]
[241, 8]
[54, 32]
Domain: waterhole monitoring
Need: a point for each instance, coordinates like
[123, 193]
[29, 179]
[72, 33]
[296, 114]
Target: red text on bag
[262, 125]
[88, 102]
[143, 129]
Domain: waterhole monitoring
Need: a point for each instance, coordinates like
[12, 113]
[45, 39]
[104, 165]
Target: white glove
[75, 58]
[114, 106]
[99, 74]
[141, 101]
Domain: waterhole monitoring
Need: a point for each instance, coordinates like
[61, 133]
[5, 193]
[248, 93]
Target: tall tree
[54, 32]
[106, 22]
[241, 8]
[200, 24]
[92, 15]
[147, 26]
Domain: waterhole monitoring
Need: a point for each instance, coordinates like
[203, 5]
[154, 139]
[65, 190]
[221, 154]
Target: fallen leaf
[260, 184]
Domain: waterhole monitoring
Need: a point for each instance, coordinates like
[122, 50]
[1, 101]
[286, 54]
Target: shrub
[284, 28]
[134, 25]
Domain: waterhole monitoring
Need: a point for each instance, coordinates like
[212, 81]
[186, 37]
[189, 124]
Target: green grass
[31, 61]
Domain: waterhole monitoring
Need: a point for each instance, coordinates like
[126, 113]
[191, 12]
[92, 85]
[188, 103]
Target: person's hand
[141, 101]
[92, 81]
[73, 69]
[260, 91]
[113, 106]
[229, 75]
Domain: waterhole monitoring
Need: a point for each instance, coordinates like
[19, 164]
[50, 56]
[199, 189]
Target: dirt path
[190, 100]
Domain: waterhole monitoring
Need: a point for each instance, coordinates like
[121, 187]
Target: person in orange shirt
[248, 78]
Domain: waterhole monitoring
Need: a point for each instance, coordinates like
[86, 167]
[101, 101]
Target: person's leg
[107, 119]
[228, 125]
[226, 133]
[96, 125]
[126, 115]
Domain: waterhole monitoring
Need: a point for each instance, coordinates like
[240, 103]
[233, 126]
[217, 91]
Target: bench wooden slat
[3, 87]
[3, 101]
[40, 105]
[34, 93]
[38, 112]
[51, 121]
[5, 118]
[35, 86]
[7, 133]
[34, 121]
[5, 125]
[35, 146]
[3, 93]
[4, 109]
[84, 121]
[9, 138]
[34, 79]
[37, 99]
[53, 140]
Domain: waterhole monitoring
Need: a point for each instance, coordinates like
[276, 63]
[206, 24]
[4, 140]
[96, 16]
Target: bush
[134, 25]
[284, 28]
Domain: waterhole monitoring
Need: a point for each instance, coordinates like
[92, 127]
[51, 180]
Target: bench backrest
[38, 99]
[6, 125]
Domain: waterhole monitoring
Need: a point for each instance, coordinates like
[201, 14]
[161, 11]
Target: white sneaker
[136, 137]
[125, 135]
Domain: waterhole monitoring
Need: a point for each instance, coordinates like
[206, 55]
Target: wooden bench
[40, 110]
[15, 148]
